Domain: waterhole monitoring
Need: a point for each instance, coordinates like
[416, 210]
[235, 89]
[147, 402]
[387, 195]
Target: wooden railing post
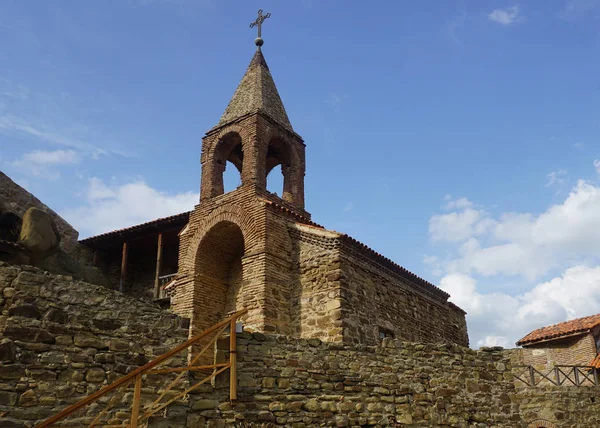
[135, 408]
[232, 361]
[123, 267]
[532, 375]
[159, 251]
[576, 373]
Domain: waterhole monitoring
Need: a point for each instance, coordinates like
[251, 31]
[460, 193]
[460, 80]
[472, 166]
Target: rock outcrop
[34, 240]
[17, 200]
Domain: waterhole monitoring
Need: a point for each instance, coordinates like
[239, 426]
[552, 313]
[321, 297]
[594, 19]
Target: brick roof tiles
[555, 331]
[256, 93]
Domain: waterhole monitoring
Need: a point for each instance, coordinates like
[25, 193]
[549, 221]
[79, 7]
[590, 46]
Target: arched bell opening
[280, 169]
[228, 160]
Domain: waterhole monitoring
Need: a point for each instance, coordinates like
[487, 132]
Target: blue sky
[458, 138]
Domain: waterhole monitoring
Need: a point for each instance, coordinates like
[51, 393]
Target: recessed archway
[218, 277]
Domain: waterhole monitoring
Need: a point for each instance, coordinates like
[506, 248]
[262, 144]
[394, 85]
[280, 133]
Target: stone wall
[316, 290]
[304, 383]
[18, 200]
[64, 339]
[564, 407]
[377, 301]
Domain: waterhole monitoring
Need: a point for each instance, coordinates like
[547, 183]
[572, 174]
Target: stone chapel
[250, 248]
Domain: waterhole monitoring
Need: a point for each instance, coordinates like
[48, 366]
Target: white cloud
[459, 225]
[597, 165]
[457, 203]
[498, 319]
[111, 207]
[522, 244]
[556, 177]
[42, 163]
[505, 17]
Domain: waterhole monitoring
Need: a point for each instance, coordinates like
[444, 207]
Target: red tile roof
[595, 362]
[567, 328]
[183, 217]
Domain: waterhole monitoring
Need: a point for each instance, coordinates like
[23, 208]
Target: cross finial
[258, 23]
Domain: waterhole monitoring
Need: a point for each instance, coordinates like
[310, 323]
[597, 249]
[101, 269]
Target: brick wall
[577, 350]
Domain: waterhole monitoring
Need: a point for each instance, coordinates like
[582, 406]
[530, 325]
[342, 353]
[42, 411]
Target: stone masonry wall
[62, 340]
[19, 200]
[315, 303]
[374, 299]
[565, 407]
[304, 383]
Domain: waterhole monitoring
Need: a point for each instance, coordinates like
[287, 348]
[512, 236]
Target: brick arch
[229, 144]
[233, 214]
[542, 423]
[279, 150]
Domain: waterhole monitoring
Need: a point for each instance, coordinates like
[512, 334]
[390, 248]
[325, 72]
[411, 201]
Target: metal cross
[258, 23]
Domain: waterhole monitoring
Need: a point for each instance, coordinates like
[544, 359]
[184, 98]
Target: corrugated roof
[556, 331]
[139, 227]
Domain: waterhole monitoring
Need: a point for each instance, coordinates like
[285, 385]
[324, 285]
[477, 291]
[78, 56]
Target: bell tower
[255, 135]
[236, 251]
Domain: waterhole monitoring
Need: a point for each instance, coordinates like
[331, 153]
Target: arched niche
[218, 274]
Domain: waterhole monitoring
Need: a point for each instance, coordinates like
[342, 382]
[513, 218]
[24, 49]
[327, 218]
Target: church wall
[19, 200]
[315, 302]
[375, 301]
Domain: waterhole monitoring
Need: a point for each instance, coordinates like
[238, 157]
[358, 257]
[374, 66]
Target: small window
[384, 332]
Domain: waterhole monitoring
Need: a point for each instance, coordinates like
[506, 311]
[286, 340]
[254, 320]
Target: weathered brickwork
[576, 350]
[65, 339]
[19, 200]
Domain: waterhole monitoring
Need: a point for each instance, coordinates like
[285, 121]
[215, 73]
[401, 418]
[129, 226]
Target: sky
[458, 138]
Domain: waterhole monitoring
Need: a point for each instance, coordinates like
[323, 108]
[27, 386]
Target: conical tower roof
[256, 93]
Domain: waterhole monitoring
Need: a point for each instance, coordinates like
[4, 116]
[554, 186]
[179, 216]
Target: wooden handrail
[141, 370]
